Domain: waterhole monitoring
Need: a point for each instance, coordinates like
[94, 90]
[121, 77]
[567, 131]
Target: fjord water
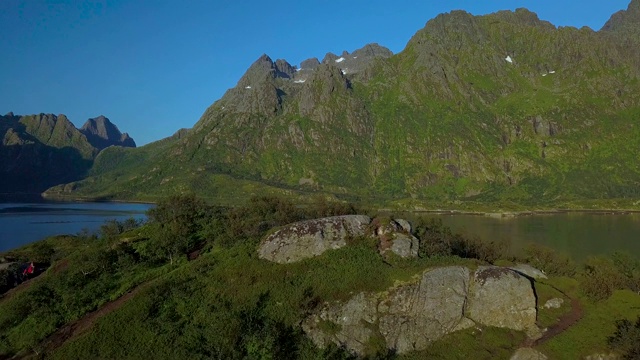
[23, 223]
[579, 235]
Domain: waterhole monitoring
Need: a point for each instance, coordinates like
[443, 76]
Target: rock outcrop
[395, 236]
[503, 298]
[528, 270]
[311, 238]
[412, 316]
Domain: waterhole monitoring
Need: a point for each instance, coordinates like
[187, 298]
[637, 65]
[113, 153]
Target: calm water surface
[23, 223]
[577, 234]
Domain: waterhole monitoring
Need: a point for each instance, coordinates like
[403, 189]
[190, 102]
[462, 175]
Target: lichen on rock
[310, 238]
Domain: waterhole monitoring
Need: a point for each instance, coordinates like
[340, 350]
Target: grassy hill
[189, 284]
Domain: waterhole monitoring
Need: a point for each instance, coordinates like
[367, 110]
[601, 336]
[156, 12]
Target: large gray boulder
[411, 316]
[310, 238]
[350, 324]
[503, 298]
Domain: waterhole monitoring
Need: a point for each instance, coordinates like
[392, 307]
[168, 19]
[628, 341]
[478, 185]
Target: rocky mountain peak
[329, 58]
[523, 17]
[265, 69]
[372, 50]
[624, 18]
[284, 69]
[102, 133]
[309, 64]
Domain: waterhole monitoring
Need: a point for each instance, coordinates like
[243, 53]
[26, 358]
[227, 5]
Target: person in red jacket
[29, 270]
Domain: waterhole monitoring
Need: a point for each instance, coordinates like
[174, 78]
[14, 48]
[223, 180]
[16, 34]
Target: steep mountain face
[625, 21]
[497, 108]
[101, 133]
[39, 151]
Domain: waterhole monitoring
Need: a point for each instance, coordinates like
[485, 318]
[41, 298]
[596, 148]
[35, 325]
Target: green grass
[590, 334]
[475, 343]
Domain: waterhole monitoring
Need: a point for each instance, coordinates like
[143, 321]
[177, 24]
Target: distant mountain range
[502, 108]
[40, 151]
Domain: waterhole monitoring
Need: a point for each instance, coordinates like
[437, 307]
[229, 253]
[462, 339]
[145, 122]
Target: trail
[566, 321]
[82, 325]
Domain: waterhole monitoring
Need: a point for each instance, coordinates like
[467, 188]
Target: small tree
[178, 221]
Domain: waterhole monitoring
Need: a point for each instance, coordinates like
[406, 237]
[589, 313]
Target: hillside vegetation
[497, 109]
[189, 284]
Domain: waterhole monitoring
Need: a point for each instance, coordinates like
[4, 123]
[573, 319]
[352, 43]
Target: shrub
[626, 339]
[601, 278]
[438, 240]
[549, 261]
[111, 229]
[629, 267]
[321, 207]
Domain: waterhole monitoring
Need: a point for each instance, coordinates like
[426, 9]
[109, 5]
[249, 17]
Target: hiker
[29, 270]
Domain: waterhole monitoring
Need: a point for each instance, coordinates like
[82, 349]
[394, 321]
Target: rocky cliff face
[410, 317]
[101, 133]
[624, 20]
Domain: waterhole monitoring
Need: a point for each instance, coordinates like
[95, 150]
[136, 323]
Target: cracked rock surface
[443, 300]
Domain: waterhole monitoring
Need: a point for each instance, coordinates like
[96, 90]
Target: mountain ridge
[503, 107]
[42, 150]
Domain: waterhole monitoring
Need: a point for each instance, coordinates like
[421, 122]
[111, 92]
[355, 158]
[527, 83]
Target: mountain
[502, 108]
[40, 151]
[625, 20]
[101, 133]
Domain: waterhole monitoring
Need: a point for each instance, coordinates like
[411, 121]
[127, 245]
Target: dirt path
[82, 325]
[22, 286]
[566, 321]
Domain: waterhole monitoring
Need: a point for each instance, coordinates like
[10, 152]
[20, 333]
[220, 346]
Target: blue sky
[153, 67]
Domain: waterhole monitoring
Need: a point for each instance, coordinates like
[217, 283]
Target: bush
[549, 261]
[626, 339]
[320, 208]
[111, 229]
[601, 278]
[438, 240]
[629, 267]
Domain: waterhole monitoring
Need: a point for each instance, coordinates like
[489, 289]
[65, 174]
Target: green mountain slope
[496, 108]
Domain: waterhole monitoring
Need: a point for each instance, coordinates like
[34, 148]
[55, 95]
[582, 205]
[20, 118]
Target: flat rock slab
[529, 271]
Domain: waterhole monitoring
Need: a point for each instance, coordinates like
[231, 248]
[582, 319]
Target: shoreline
[437, 211]
[514, 214]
